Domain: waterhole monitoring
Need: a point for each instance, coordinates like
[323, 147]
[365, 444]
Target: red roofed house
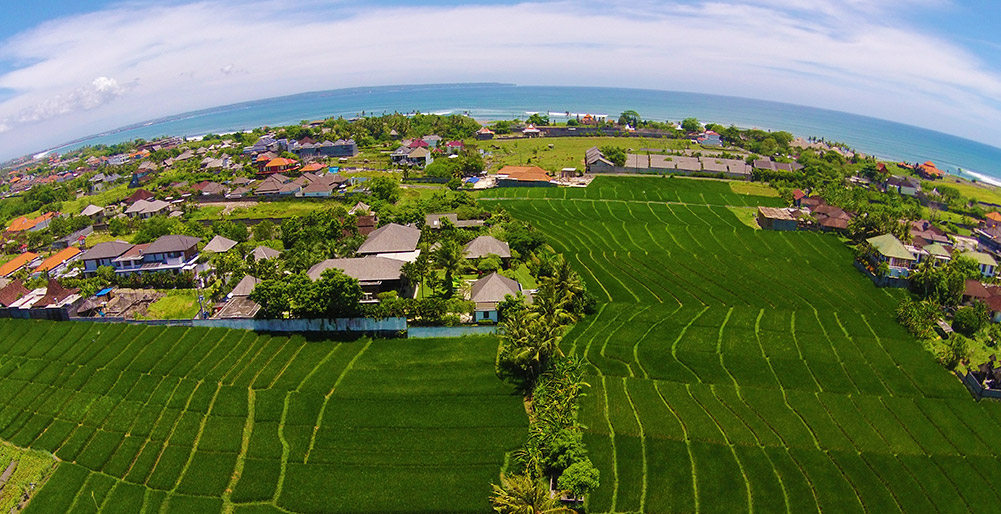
[140, 194]
[484, 133]
[12, 292]
[12, 266]
[521, 176]
[929, 171]
[58, 261]
[280, 165]
[454, 147]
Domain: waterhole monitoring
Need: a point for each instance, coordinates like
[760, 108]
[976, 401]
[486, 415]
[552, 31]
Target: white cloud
[167, 60]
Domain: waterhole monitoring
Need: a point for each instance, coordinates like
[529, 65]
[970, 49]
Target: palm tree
[450, 257]
[519, 494]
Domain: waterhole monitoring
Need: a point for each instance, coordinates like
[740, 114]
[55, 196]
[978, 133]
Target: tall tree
[520, 494]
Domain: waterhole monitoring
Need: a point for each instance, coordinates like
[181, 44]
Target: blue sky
[70, 68]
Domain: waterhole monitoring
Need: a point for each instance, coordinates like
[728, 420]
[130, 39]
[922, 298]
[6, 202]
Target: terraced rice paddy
[153, 419]
[736, 370]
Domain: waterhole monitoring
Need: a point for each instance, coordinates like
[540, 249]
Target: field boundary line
[632, 406]
[879, 341]
[153, 427]
[198, 438]
[612, 333]
[611, 437]
[636, 347]
[761, 446]
[688, 443]
[326, 398]
[729, 445]
[249, 346]
[262, 367]
[260, 348]
[318, 365]
[719, 347]
[799, 349]
[286, 450]
[594, 319]
[587, 349]
[674, 345]
[241, 458]
[288, 362]
[868, 362]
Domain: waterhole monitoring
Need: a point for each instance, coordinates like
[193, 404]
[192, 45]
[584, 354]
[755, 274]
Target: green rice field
[164, 419]
[741, 370]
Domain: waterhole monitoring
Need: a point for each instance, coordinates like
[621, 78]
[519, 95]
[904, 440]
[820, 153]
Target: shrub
[968, 320]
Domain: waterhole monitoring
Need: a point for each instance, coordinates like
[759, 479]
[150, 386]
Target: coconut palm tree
[450, 257]
[519, 494]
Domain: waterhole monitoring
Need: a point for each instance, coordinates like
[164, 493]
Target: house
[770, 165]
[366, 224]
[774, 218]
[938, 252]
[407, 156]
[210, 188]
[279, 165]
[171, 253]
[341, 148]
[102, 254]
[264, 252]
[489, 291]
[487, 245]
[219, 244]
[432, 140]
[484, 134]
[76, 238]
[24, 224]
[530, 131]
[140, 194]
[95, 213]
[360, 208]
[596, 162]
[975, 290]
[271, 185]
[992, 219]
[374, 274]
[929, 171]
[831, 219]
[989, 239]
[797, 195]
[923, 233]
[12, 292]
[17, 263]
[984, 261]
[904, 185]
[144, 209]
[887, 248]
[392, 241]
[454, 147]
[317, 189]
[58, 261]
[524, 176]
[709, 138]
[238, 304]
[435, 221]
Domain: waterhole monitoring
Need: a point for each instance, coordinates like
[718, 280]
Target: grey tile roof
[486, 245]
[364, 269]
[391, 238]
[108, 250]
[493, 288]
[172, 243]
[219, 244]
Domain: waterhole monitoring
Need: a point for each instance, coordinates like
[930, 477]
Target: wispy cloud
[165, 60]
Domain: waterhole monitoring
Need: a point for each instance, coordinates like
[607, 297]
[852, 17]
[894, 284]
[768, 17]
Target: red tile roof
[17, 263]
[58, 258]
[12, 292]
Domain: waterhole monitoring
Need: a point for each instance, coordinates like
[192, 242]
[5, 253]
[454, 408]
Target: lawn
[176, 419]
[176, 304]
[566, 152]
[734, 369]
[978, 191]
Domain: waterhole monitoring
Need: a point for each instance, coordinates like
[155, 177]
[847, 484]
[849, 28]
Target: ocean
[884, 139]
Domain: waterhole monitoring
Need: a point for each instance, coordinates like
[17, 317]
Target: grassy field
[976, 191]
[155, 419]
[177, 304]
[567, 152]
[737, 370]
